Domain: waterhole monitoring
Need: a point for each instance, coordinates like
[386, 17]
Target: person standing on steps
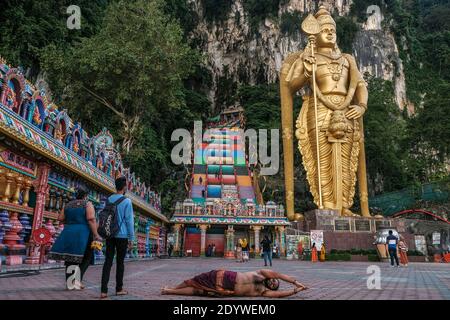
[119, 242]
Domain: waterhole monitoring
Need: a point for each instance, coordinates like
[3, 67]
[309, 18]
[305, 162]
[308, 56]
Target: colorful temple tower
[44, 157]
[225, 203]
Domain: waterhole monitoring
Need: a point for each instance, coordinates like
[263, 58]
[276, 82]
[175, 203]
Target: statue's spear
[311, 27]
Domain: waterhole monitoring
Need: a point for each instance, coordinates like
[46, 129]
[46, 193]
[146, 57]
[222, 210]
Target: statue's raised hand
[308, 62]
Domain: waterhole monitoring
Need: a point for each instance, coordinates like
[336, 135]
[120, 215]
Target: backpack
[108, 219]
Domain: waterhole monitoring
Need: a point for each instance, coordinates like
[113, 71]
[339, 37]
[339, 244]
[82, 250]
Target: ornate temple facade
[44, 157]
[225, 203]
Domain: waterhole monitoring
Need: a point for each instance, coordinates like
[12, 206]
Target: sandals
[121, 293]
[118, 293]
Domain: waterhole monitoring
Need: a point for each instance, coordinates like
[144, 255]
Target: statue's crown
[323, 16]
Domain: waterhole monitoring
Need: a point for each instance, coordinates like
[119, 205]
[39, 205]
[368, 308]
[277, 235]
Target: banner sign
[317, 238]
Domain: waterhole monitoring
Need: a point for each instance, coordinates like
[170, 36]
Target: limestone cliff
[235, 50]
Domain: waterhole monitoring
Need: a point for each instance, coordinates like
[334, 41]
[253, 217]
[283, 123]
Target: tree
[429, 134]
[28, 26]
[384, 138]
[133, 68]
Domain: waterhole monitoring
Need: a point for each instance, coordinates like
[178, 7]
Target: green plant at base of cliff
[373, 258]
[414, 253]
[338, 257]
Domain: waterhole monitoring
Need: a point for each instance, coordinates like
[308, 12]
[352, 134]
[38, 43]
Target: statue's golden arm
[359, 106]
[361, 94]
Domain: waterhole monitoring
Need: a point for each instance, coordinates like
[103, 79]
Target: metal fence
[426, 194]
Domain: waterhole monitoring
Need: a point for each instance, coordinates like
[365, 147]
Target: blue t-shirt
[126, 217]
[391, 241]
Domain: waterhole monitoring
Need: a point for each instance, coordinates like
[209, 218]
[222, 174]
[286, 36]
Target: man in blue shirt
[391, 242]
[119, 242]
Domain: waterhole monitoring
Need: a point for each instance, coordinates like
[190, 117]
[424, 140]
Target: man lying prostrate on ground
[222, 283]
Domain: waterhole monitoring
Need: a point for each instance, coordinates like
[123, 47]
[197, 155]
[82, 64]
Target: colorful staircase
[220, 168]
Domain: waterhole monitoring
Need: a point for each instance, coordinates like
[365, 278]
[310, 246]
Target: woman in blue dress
[74, 243]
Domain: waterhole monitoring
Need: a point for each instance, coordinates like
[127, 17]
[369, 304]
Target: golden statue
[330, 119]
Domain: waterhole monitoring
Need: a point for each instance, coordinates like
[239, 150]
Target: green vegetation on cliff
[28, 26]
[258, 10]
[423, 33]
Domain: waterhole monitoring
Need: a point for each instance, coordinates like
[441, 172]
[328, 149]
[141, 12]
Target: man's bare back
[249, 284]
[258, 283]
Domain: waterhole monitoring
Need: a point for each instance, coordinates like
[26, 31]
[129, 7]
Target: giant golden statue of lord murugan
[334, 101]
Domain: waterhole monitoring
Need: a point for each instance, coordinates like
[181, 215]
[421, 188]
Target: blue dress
[71, 244]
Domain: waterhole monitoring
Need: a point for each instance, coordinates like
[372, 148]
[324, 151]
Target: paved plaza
[328, 280]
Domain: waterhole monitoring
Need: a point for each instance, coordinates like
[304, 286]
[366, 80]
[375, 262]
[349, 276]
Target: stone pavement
[328, 280]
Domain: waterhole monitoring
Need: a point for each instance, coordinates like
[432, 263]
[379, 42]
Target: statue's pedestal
[330, 220]
[346, 233]
[320, 219]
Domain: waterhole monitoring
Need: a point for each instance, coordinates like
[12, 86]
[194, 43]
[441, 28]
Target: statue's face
[327, 36]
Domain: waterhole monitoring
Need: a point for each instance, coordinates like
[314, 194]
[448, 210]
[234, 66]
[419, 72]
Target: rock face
[376, 53]
[238, 53]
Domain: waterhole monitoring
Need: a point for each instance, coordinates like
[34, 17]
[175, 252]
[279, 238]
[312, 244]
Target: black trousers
[87, 259]
[393, 255]
[112, 245]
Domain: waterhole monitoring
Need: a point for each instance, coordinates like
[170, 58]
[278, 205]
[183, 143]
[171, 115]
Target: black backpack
[108, 219]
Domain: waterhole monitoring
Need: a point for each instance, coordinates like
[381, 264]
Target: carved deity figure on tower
[329, 126]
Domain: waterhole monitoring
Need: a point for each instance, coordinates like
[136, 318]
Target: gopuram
[44, 157]
[330, 136]
[225, 203]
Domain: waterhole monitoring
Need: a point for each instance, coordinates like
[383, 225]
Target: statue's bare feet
[347, 213]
